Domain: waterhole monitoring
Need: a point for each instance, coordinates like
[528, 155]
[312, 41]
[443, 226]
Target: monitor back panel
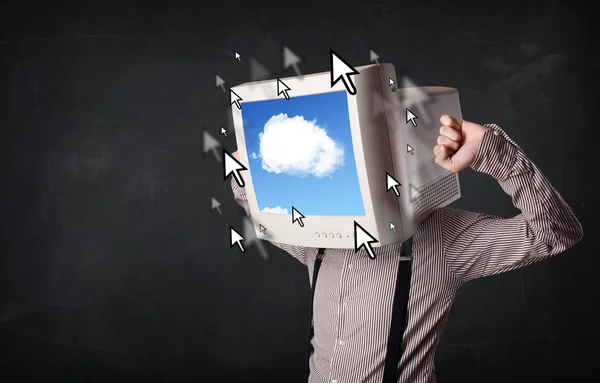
[426, 186]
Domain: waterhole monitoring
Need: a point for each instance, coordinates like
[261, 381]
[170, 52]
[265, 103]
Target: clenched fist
[458, 143]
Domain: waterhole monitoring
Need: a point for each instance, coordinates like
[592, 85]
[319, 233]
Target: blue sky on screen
[300, 154]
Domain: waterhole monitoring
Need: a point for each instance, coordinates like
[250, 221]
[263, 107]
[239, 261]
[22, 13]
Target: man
[354, 294]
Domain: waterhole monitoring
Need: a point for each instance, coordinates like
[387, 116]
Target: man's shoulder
[446, 216]
[450, 212]
[437, 216]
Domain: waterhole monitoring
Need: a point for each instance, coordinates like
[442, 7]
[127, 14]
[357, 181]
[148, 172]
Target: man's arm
[477, 245]
[240, 197]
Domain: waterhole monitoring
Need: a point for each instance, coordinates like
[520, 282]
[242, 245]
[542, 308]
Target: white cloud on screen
[298, 147]
[274, 210]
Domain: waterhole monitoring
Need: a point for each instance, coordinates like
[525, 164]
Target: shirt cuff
[238, 191]
[496, 154]
[234, 185]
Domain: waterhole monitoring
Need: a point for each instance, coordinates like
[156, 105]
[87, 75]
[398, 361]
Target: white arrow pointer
[392, 227]
[392, 83]
[282, 88]
[297, 216]
[233, 166]
[410, 149]
[391, 183]
[235, 238]
[235, 99]
[362, 239]
[223, 131]
[410, 116]
[237, 56]
[341, 70]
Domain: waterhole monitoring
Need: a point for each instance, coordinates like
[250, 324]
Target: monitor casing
[380, 136]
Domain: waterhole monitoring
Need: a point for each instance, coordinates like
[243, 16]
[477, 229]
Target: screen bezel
[280, 227]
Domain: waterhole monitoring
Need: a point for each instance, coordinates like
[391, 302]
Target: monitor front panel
[304, 154]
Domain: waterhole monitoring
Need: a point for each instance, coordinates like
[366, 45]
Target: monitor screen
[300, 154]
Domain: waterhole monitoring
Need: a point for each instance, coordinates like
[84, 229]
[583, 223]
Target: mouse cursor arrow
[235, 99]
[258, 72]
[219, 82]
[413, 192]
[237, 56]
[233, 166]
[392, 83]
[362, 239]
[373, 57]
[410, 149]
[297, 216]
[392, 227]
[290, 59]
[282, 88]
[262, 229]
[341, 70]
[236, 238]
[391, 183]
[215, 205]
[211, 144]
[251, 237]
[410, 116]
[223, 131]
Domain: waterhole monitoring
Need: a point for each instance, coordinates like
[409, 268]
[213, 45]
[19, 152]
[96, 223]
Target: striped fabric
[353, 298]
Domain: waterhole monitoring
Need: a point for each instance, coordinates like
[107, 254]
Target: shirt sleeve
[478, 245]
[239, 194]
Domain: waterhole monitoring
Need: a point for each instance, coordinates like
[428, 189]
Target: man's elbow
[565, 237]
[578, 233]
[574, 229]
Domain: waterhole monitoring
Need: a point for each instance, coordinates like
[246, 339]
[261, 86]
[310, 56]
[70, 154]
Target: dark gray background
[114, 265]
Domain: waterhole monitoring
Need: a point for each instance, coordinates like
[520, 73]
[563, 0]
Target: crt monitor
[323, 163]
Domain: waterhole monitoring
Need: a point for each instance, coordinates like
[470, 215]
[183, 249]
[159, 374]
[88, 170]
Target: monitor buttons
[330, 235]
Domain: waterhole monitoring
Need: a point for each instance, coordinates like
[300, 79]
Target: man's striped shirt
[354, 294]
